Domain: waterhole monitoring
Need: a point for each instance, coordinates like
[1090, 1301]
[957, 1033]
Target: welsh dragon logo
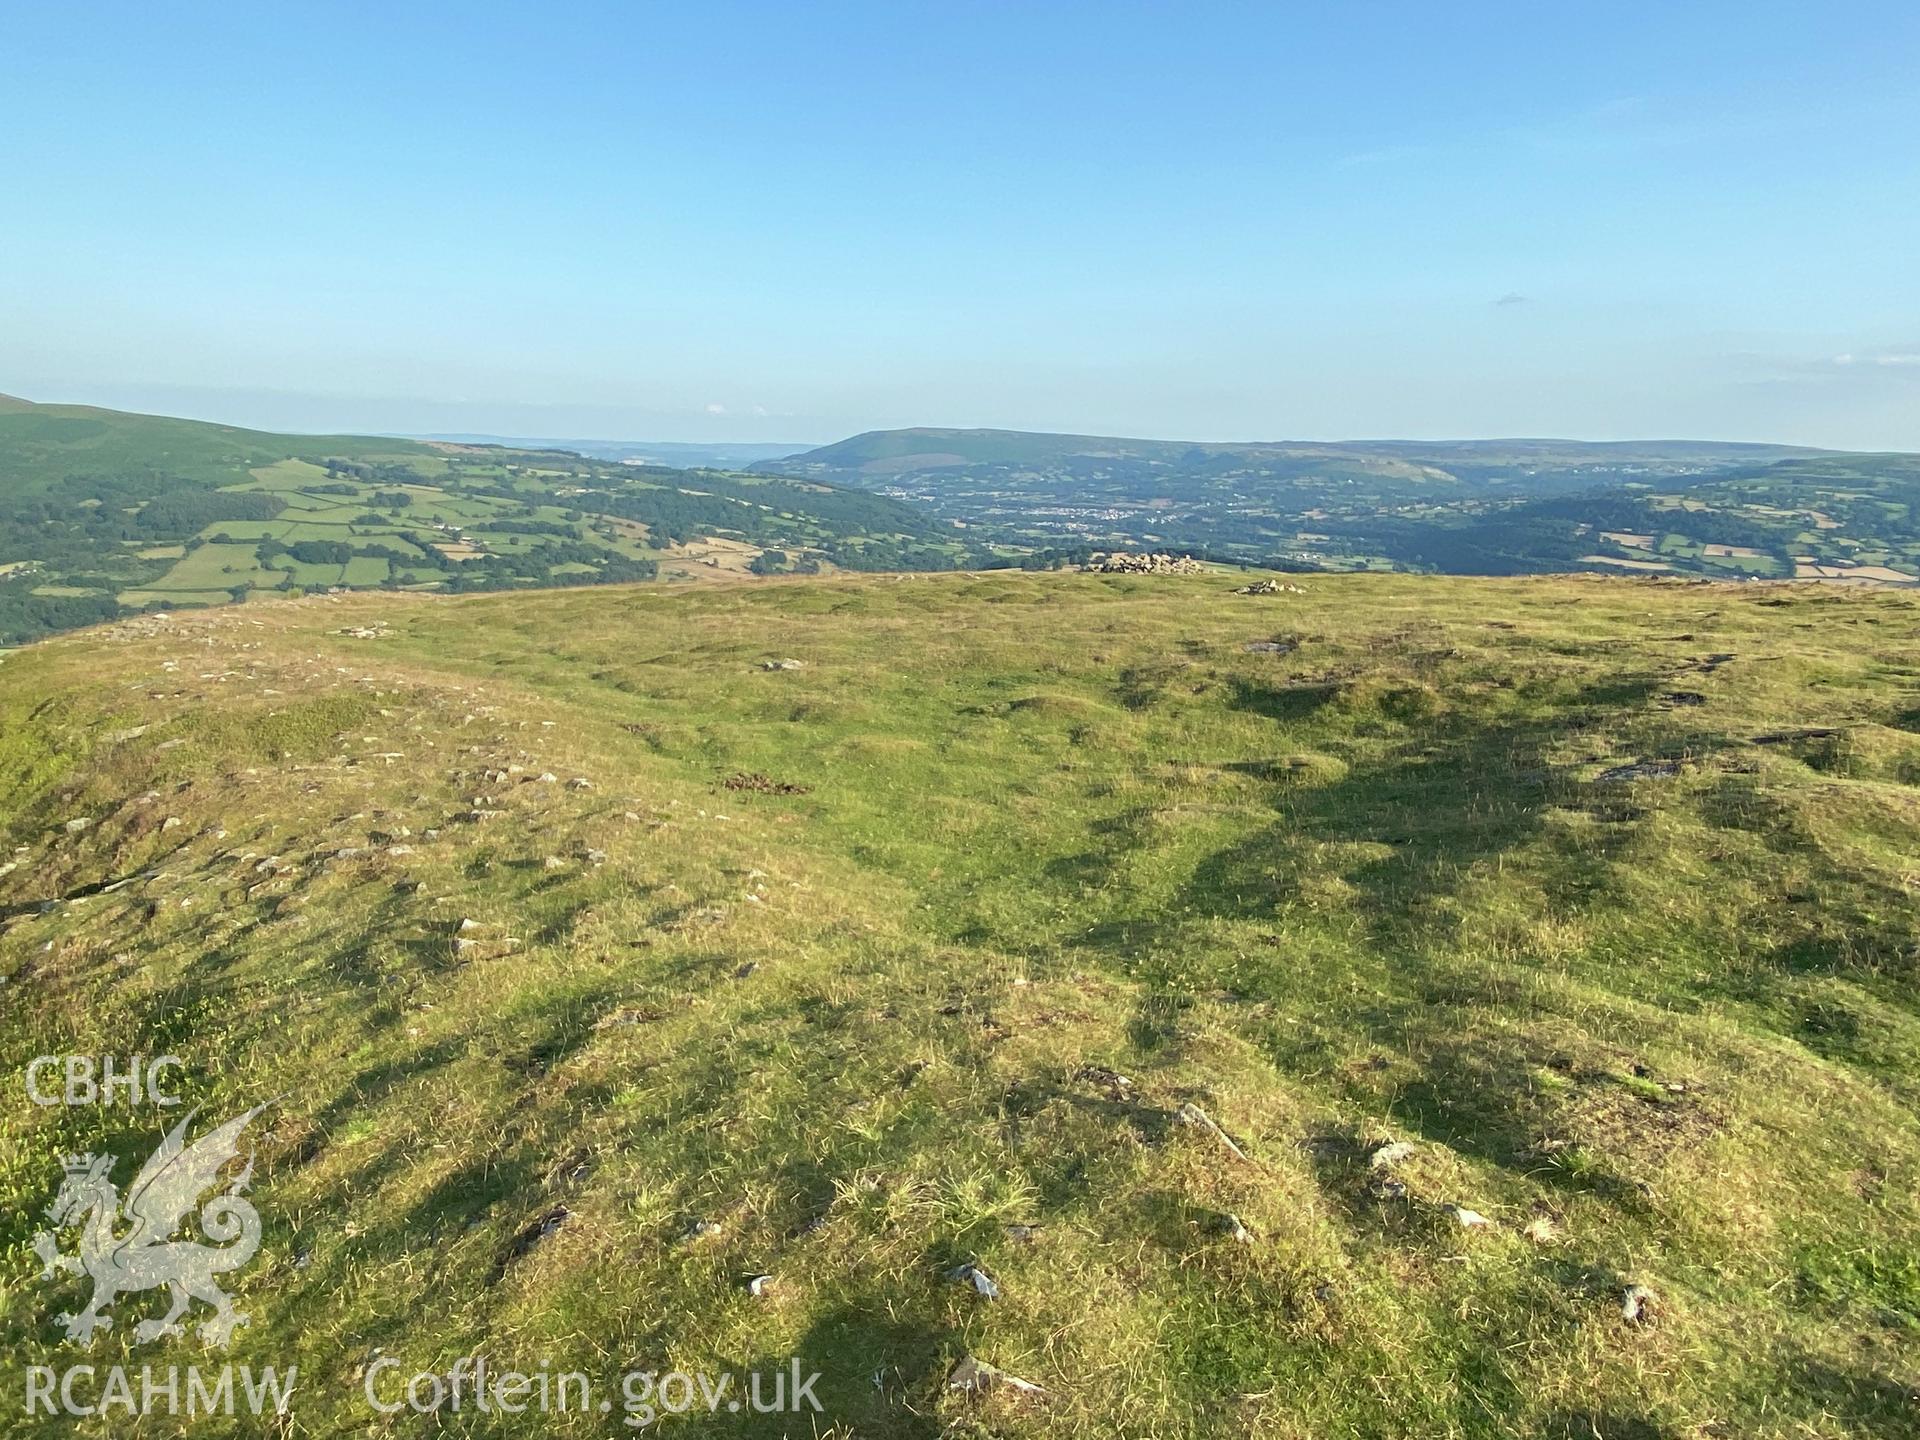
[147, 1257]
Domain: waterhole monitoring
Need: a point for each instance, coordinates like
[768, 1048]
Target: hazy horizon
[148, 400]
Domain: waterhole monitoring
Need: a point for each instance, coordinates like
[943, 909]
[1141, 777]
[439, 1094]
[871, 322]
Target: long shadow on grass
[1598, 1425]
[1867, 1403]
[1454, 792]
[877, 1373]
[1453, 795]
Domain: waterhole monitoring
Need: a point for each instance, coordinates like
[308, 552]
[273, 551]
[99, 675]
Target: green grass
[540, 518]
[142, 597]
[305, 575]
[220, 567]
[1013, 826]
[40, 445]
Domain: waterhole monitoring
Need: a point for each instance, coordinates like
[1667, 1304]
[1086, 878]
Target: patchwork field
[211, 515]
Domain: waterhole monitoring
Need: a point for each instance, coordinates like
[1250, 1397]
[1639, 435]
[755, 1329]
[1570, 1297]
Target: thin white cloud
[714, 407]
[1883, 358]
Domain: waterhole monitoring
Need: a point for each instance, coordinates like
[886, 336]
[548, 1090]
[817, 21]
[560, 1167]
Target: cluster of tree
[306, 552]
[374, 472]
[536, 568]
[61, 535]
[1868, 496]
[675, 518]
[25, 616]
[886, 553]
[180, 513]
[532, 527]
[678, 507]
[1634, 514]
[377, 551]
[494, 490]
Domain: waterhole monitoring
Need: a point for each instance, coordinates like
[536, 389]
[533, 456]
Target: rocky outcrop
[1128, 562]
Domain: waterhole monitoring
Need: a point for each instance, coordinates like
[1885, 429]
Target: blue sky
[795, 221]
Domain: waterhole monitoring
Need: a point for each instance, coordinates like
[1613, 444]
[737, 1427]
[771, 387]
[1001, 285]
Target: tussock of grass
[1018, 831]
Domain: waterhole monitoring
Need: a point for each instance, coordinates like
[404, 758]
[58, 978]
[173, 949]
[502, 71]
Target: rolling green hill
[102, 513]
[1203, 968]
[44, 448]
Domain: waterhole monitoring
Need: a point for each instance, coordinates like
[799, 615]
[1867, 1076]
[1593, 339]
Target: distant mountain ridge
[677, 454]
[1724, 509]
[933, 448]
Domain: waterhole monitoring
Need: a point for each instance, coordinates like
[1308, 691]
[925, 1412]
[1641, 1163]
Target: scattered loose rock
[1128, 562]
[1117, 1086]
[972, 1274]
[763, 784]
[1268, 587]
[625, 1015]
[1636, 1305]
[1191, 1114]
[976, 1377]
[1639, 770]
[1787, 737]
[1389, 1154]
[536, 1231]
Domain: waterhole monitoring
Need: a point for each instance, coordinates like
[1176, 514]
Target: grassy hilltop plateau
[1396, 1006]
